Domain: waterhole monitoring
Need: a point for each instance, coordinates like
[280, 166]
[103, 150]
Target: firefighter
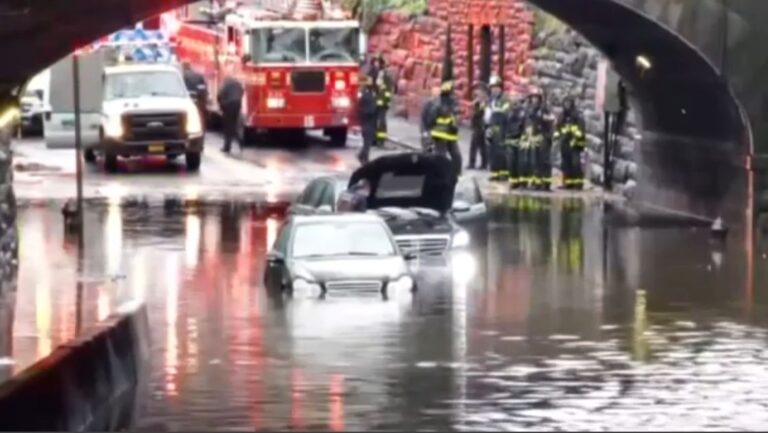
[230, 100]
[572, 140]
[195, 83]
[537, 144]
[427, 113]
[496, 117]
[444, 127]
[477, 145]
[513, 136]
[383, 97]
[367, 113]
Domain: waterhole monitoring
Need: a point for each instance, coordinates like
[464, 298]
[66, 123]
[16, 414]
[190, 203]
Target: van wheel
[338, 136]
[193, 160]
[89, 155]
[110, 163]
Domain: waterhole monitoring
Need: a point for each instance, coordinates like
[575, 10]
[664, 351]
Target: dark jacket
[478, 116]
[367, 106]
[194, 81]
[231, 92]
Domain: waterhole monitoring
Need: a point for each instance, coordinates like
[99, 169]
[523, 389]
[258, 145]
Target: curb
[89, 383]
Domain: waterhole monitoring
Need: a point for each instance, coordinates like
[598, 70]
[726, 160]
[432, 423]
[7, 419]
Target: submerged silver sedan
[336, 254]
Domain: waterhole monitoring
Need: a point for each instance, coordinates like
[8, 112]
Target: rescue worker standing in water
[444, 126]
[514, 134]
[478, 145]
[572, 140]
[496, 118]
[537, 144]
[367, 113]
[383, 85]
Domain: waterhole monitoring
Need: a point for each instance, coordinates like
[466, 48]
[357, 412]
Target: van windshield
[146, 83]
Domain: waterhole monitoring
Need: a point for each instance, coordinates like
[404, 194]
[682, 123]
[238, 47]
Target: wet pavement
[555, 320]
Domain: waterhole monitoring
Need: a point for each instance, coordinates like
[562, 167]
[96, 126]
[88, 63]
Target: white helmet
[495, 81]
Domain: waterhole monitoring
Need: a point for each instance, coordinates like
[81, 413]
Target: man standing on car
[230, 100]
[367, 113]
[444, 126]
[197, 88]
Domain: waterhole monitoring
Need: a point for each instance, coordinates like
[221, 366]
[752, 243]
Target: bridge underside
[697, 138]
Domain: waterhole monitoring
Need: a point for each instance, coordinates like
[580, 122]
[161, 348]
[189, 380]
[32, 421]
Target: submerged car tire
[193, 160]
[337, 136]
[110, 163]
[89, 156]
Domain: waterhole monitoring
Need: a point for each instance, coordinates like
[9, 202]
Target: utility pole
[78, 148]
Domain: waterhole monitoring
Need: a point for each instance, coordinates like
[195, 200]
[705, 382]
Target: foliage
[546, 23]
[368, 11]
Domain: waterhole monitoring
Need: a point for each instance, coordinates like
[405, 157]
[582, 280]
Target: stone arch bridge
[703, 102]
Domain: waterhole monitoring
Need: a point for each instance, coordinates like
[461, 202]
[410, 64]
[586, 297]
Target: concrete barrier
[88, 384]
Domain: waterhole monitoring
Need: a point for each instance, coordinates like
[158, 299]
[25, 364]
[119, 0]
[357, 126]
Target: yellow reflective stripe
[444, 136]
[444, 121]
[381, 135]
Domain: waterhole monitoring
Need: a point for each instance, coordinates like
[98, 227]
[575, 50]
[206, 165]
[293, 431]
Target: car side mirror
[409, 257]
[275, 258]
[246, 58]
[461, 206]
[325, 209]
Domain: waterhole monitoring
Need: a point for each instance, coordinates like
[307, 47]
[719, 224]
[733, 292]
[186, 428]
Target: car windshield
[368, 238]
[279, 45]
[147, 83]
[334, 45]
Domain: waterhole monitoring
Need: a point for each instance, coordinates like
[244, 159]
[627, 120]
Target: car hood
[409, 180]
[348, 268]
[414, 221]
[147, 104]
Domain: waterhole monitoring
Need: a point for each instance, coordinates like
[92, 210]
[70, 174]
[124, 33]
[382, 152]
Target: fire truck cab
[300, 68]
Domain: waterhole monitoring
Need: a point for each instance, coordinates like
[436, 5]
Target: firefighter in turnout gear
[478, 145]
[514, 134]
[444, 126]
[571, 137]
[367, 112]
[536, 144]
[384, 86]
[496, 118]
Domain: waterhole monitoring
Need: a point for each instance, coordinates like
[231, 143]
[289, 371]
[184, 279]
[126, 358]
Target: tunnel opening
[695, 138]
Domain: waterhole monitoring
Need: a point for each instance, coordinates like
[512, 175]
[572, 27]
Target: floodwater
[555, 320]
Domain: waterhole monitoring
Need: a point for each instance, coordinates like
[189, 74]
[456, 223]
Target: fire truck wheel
[338, 136]
[193, 161]
[89, 155]
[110, 163]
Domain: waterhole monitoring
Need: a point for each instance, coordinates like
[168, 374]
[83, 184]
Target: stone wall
[8, 233]
[564, 63]
[415, 45]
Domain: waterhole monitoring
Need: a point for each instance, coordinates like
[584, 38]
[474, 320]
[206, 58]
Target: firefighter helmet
[446, 86]
[495, 81]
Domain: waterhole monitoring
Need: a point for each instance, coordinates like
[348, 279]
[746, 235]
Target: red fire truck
[299, 61]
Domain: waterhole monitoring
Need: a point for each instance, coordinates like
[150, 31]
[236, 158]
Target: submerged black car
[417, 195]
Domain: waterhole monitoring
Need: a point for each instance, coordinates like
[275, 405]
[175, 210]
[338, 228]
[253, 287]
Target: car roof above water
[339, 217]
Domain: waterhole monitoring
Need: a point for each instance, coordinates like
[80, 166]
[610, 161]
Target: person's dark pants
[566, 163]
[513, 165]
[527, 164]
[477, 146]
[231, 119]
[450, 148]
[498, 160]
[543, 167]
[369, 138]
[381, 126]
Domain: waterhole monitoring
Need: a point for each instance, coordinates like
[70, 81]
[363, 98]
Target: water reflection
[556, 321]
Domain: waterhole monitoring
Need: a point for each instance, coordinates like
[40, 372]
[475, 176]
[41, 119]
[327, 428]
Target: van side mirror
[409, 257]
